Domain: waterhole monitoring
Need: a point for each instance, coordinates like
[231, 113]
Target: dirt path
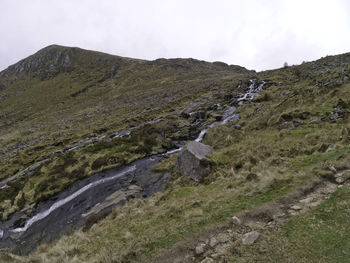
[248, 227]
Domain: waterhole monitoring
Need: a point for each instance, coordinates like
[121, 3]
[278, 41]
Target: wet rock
[119, 196]
[200, 249]
[192, 161]
[20, 222]
[200, 115]
[250, 238]
[185, 115]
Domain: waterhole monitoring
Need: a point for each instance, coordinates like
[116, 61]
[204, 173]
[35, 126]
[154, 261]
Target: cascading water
[62, 202]
[228, 115]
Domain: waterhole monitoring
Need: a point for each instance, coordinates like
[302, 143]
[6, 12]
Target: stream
[64, 213]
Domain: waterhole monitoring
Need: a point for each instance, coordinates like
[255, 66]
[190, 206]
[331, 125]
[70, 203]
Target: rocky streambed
[97, 194]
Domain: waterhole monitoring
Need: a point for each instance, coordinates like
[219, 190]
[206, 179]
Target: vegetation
[292, 134]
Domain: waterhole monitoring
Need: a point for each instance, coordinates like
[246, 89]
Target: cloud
[255, 34]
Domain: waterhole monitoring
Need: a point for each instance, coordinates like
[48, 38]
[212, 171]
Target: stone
[223, 237]
[236, 221]
[200, 249]
[306, 200]
[340, 180]
[250, 238]
[296, 207]
[207, 260]
[192, 161]
[296, 123]
[332, 169]
[285, 125]
[213, 242]
[315, 121]
[330, 147]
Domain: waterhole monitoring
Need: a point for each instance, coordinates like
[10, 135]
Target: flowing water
[64, 212]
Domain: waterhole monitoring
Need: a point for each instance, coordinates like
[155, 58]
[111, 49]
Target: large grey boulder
[192, 161]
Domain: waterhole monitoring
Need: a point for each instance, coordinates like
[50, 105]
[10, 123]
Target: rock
[250, 238]
[236, 220]
[207, 260]
[340, 180]
[336, 115]
[304, 115]
[296, 207]
[332, 169]
[238, 127]
[217, 117]
[223, 237]
[331, 147]
[297, 123]
[200, 249]
[192, 161]
[200, 115]
[315, 121]
[285, 125]
[213, 242]
[306, 200]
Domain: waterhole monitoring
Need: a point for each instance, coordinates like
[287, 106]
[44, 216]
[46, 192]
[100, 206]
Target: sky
[256, 34]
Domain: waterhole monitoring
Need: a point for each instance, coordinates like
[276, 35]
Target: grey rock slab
[296, 207]
[192, 161]
[250, 238]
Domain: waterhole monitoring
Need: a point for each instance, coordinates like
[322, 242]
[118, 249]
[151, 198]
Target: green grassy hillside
[64, 97]
[294, 133]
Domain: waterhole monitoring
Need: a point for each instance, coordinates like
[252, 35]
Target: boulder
[200, 249]
[192, 161]
[250, 238]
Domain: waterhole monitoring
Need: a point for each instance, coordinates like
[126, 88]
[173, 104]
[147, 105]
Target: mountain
[63, 97]
[68, 114]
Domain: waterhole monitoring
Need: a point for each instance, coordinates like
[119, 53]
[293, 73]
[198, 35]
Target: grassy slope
[60, 95]
[251, 166]
[321, 235]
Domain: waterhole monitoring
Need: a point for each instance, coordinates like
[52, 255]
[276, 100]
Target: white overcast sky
[251, 33]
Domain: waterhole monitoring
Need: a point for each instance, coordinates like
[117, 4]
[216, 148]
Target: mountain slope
[65, 98]
[294, 134]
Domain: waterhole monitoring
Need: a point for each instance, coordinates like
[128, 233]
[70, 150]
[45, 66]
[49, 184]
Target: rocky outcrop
[192, 161]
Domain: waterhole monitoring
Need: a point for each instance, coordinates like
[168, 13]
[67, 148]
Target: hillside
[68, 113]
[67, 98]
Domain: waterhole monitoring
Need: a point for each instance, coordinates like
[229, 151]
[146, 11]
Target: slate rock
[192, 161]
